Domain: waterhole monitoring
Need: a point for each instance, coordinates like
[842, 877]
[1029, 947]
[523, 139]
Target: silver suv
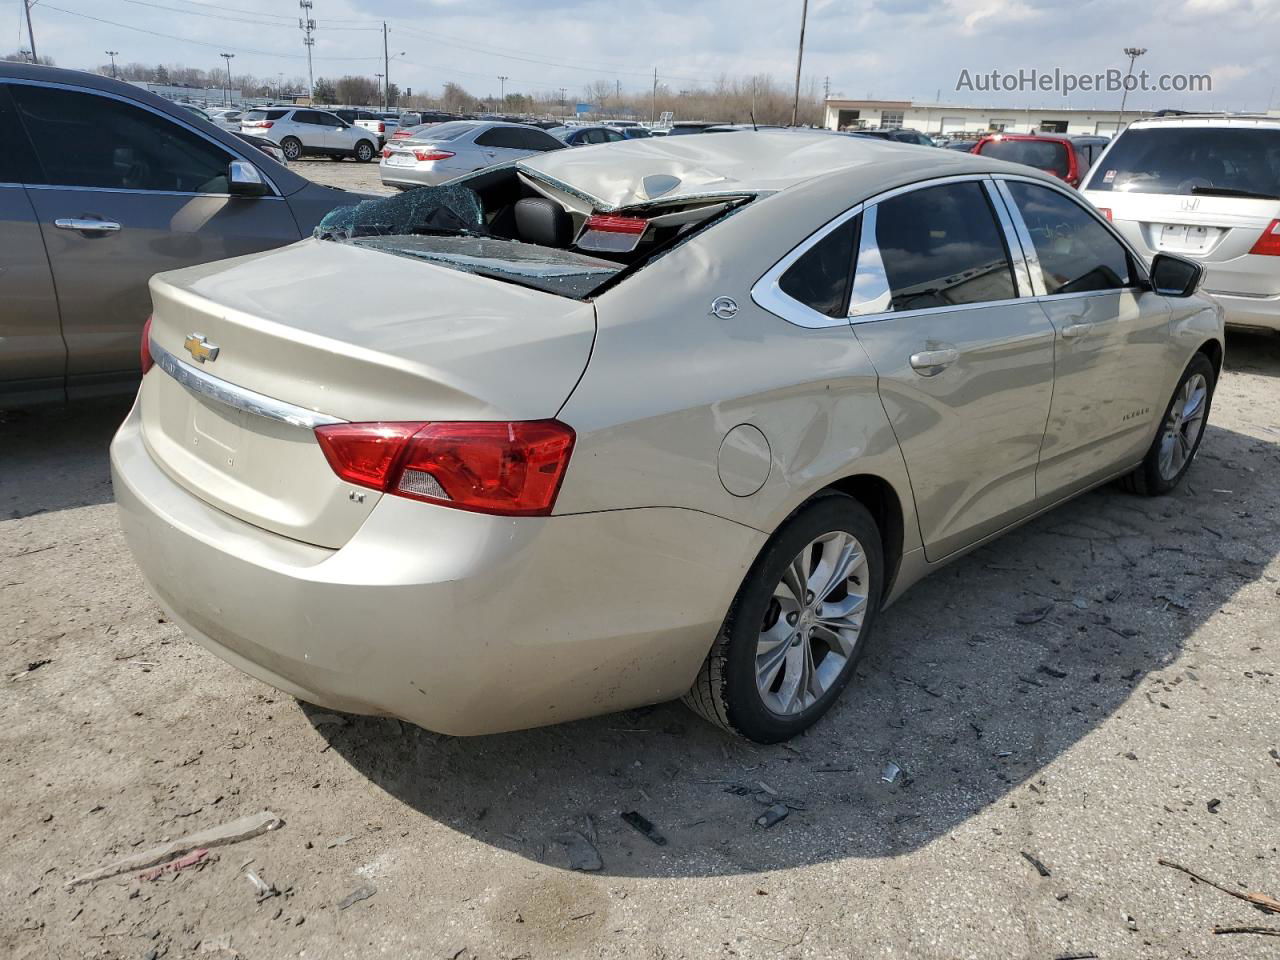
[302, 131]
[1205, 187]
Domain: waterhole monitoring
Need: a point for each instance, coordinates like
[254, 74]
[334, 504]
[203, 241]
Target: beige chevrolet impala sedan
[665, 418]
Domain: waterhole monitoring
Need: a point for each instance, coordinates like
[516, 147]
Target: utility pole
[795, 103]
[1133, 53]
[502, 88]
[307, 25]
[653, 110]
[826, 89]
[378, 77]
[226, 94]
[31, 34]
[386, 68]
[112, 54]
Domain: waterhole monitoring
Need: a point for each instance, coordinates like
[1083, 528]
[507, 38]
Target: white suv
[300, 131]
[1205, 187]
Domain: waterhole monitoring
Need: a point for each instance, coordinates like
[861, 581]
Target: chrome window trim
[1139, 282]
[767, 294]
[237, 397]
[234, 151]
[1029, 253]
[149, 193]
[1012, 242]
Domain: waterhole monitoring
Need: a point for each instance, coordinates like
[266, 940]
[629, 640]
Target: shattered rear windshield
[561, 272]
[445, 225]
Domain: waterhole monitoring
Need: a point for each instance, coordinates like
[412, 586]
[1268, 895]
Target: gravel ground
[343, 173]
[1136, 720]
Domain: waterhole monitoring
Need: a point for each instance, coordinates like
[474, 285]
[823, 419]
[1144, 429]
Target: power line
[201, 43]
[213, 16]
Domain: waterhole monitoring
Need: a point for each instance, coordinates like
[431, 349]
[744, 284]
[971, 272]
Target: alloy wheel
[1183, 425]
[813, 623]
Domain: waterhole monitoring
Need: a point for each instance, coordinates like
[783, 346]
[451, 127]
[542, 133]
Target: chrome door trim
[237, 397]
[767, 294]
[1012, 242]
[1024, 235]
[149, 193]
[234, 151]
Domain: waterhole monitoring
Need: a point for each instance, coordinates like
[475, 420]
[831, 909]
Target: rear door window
[941, 246]
[17, 159]
[1186, 161]
[1045, 155]
[501, 137]
[1077, 254]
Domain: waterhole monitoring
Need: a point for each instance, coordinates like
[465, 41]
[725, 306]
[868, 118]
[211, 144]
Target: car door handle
[930, 363]
[87, 226]
[1073, 330]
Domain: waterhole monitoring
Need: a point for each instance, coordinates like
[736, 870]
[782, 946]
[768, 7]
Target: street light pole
[31, 35]
[226, 94]
[112, 54]
[795, 104]
[502, 88]
[1133, 53]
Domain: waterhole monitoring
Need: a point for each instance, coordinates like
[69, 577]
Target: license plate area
[401, 160]
[1185, 237]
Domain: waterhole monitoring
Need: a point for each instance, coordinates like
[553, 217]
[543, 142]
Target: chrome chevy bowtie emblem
[198, 345]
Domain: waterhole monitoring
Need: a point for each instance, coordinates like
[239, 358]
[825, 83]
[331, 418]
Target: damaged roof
[614, 176]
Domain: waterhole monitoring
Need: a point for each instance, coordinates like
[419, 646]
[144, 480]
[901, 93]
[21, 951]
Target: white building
[948, 118]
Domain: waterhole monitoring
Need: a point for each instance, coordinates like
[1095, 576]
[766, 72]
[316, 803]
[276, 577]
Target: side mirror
[244, 180]
[1173, 276]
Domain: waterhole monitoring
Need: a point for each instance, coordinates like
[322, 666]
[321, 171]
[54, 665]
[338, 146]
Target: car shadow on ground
[75, 438]
[1253, 352]
[959, 691]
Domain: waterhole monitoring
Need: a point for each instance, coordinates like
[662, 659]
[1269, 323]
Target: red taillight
[265, 124]
[144, 349]
[1268, 244]
[385, 153]
[1106, 212]
[609, 224]
[512, 469]
[382, 128]
[425, 155]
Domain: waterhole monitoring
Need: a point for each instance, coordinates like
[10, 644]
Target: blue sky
[913, 49]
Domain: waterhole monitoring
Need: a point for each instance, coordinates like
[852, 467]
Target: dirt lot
[1136, 720]
[342, 173]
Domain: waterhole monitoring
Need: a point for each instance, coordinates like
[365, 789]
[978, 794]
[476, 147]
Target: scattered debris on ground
[362, 892]
[774, 815]
[1035, 862]
[233, 832]
[582, 852]
[644, 826]
[1260, 900]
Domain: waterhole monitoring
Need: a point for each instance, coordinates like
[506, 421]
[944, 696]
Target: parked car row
[302, 131]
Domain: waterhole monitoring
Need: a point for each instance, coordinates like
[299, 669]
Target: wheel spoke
[769, 662]
[848, 554]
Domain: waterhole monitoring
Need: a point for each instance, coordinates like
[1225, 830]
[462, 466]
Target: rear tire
[780, 660]
[1181, 429]
[292, 148]
[363, 152]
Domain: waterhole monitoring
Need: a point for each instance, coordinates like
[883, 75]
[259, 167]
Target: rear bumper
[459, 622]
[1247, 311]
[419, 176]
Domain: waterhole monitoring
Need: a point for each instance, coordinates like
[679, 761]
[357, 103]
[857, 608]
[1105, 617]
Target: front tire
[1181, 430]
[798, 626]
[363, 151]
[292, 148]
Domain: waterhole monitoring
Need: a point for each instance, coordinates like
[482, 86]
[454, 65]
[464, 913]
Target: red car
[1066, 157]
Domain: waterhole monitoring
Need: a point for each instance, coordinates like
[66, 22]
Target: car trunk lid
[297, 343]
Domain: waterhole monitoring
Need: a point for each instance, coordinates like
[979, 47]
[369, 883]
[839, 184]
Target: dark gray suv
[102, 185]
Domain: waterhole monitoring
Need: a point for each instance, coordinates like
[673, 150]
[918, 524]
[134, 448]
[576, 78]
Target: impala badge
[200, 348]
